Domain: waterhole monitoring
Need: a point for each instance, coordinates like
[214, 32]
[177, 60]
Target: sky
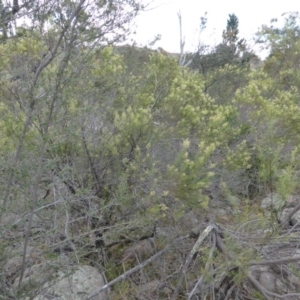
[161, 18]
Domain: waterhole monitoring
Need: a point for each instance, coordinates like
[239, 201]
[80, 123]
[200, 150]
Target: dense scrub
[110, 160]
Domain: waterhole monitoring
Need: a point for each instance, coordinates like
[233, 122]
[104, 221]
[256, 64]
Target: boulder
[73, 284]
[76, 285]
[12, 265]
[234, 200]
[9, 219]
[140, 251]
[295, 219]
[268, 281]
[35, 275]
[272, 200]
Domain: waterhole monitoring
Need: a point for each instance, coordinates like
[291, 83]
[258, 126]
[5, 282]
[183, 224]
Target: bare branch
[54, 49]
[275, 261]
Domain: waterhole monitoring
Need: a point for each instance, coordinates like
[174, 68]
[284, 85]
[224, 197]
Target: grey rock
[9, 219]
[294, 280]
[268, 281]
[292, 201]
[272, 200]
[221, 212]
[280, 287]
[295, 219]
[140, 251]
[12, 265]
[189, 220]
[37, 274]
[234, 201]
[282, 215]
[150, 287]
[76, 286]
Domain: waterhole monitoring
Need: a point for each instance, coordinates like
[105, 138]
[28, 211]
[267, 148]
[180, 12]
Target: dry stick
[274, 262]
[182, 42]
[15, 159]
[259, 286]
[288, 259]
[229, 292]
[68, 237]
[222, 247]
[35, 196]
[131, 271]
[92, 165]
[207, 266]
[182, 56]
[194, 250]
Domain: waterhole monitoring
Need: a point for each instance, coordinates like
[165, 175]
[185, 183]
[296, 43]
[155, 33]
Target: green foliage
[191, 175]
[271, 117]
[144, 143]
[283, 44]
[230, 35]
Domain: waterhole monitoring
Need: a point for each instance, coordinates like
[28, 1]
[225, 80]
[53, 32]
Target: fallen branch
[259, 287]
[207, 266]
[274, 262]
[267, 293]
[192, 254]
[131, 271]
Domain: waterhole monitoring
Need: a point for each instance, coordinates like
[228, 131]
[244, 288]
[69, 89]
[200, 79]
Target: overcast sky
[163, 20]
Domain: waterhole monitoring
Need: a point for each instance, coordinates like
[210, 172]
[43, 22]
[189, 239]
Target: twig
[68, 237]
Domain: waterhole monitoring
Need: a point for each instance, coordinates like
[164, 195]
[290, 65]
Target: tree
[231, 35]
[283, 45]
[224, 66]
